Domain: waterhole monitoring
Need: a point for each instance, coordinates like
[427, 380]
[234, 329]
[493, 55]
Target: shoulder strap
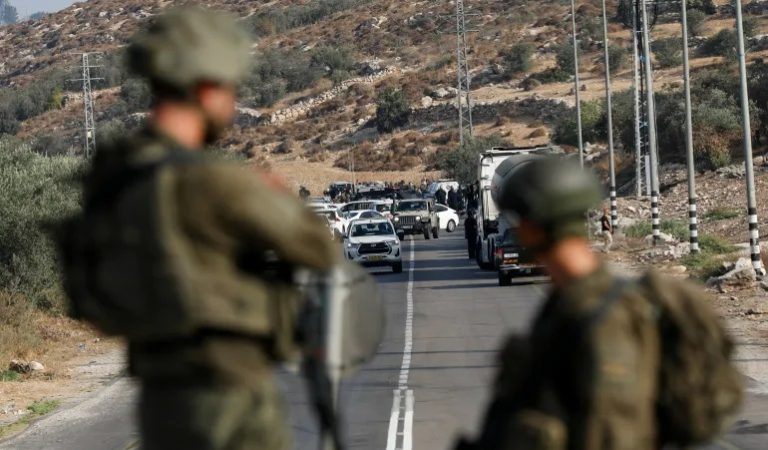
[610, 298]
[134, 174]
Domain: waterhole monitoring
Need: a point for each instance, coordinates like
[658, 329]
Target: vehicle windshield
[411, 206]
[372, 229]
[382, 208]
[359, 206]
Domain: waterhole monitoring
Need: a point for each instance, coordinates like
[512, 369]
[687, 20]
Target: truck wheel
[435, 233]
[451, 226]
[426, 233]
[504, 279]
[397, 267]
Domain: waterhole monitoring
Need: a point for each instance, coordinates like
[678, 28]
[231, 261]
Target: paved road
[426, 386]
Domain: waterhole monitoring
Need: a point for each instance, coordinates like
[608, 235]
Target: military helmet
[189, 45]
[548, 191]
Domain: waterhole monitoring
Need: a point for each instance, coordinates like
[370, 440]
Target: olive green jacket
[209, 228]
[598, 376]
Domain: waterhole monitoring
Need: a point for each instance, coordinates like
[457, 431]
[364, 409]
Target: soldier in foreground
[611, 363]
[174, 251]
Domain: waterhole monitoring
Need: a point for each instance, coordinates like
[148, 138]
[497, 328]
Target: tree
[461, 164]
[392, 110]
[668, 51]
[564, 57]
[566, 130]
[517, 59]
[721, 44]
[617, 56]
[696, 19]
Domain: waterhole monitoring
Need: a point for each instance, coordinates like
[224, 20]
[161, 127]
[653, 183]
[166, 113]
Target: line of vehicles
[372, 228]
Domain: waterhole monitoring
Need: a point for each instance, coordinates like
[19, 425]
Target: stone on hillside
[440, 93]
[426, 101]
[35, 366]
[740, 271]
[678, 269]
[663, 237]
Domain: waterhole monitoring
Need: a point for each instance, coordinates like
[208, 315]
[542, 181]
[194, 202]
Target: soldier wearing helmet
[585, 379]
[190, 238]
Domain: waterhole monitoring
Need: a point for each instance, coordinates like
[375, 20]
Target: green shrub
[564, 57]
[668, 52]
[696, 20]
[638, 229]
[278, 20]
[35, 191]
[566, 129]
[715, 244]
[136, 94]
[517, 59]
[551, 75]
[48, 145]
[676, 228]
[721, 213]
[721, 44]
[392, 110]
[617, 57]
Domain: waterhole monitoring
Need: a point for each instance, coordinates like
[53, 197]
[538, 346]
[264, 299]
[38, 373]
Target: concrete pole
[639, 175]
[609, 106]
[692, 219]
[754, 235]
[652, 149]
[576, 82]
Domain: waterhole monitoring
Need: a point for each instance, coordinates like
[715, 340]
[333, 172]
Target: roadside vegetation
[34, 411]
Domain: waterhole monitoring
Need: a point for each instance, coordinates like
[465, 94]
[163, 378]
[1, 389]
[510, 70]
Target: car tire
[451, 227]
[397, 267]
[505, 279]
[436, 232]
[426, 233]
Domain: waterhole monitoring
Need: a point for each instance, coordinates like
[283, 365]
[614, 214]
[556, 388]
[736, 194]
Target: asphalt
[458, 317]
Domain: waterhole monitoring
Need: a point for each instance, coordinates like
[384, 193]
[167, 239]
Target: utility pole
[576, 82]
[754, 235]
[651, 124]
[692, 219]
[639, 173]
[90, 123]
[609, 108]
[464, 104]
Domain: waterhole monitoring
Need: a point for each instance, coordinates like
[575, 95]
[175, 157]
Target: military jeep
[416, 216]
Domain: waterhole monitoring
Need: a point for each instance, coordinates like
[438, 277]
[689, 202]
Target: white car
[336, 223]
[382, 206]
[362, 214]
[373, 243]
[447, 216]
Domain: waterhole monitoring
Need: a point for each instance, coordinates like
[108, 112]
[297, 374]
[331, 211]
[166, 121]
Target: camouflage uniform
[211, 225]
[598, 377]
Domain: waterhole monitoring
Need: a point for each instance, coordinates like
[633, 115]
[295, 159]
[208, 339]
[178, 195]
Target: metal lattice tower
[90, 122]
[463, 100]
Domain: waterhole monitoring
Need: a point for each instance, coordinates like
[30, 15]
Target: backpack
[699, 388]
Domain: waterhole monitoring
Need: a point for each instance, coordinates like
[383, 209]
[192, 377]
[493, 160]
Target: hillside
[308, 109]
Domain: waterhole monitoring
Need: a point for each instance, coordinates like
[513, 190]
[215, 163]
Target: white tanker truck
[491, 226]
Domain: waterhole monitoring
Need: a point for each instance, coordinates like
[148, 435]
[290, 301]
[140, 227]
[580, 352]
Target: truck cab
[491, 225]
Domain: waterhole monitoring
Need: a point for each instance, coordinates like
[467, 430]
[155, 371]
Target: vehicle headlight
[393, 242]
[351, 245]
[396, 219]
[418, 218]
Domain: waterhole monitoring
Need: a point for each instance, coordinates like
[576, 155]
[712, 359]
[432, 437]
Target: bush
[461, 164]
[566, 129]
[723, 43]
[517, 59]
[48, 145]
[35, 191]
[721, 213]
[392, 110]
[278, 20]
[668, 52]
[617, 57]
[696, 19]
[19, 104]
[136, 94]
[564, 57]
[552, 75]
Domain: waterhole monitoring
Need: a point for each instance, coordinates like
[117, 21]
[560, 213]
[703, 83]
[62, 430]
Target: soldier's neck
[571, 259]
[181, 122]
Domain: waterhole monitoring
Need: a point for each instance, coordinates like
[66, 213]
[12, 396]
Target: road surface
[427, 385]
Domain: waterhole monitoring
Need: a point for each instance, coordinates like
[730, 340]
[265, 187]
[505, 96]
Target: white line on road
[403, 401]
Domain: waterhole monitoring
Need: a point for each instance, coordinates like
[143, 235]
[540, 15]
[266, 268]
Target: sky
[27, 7]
